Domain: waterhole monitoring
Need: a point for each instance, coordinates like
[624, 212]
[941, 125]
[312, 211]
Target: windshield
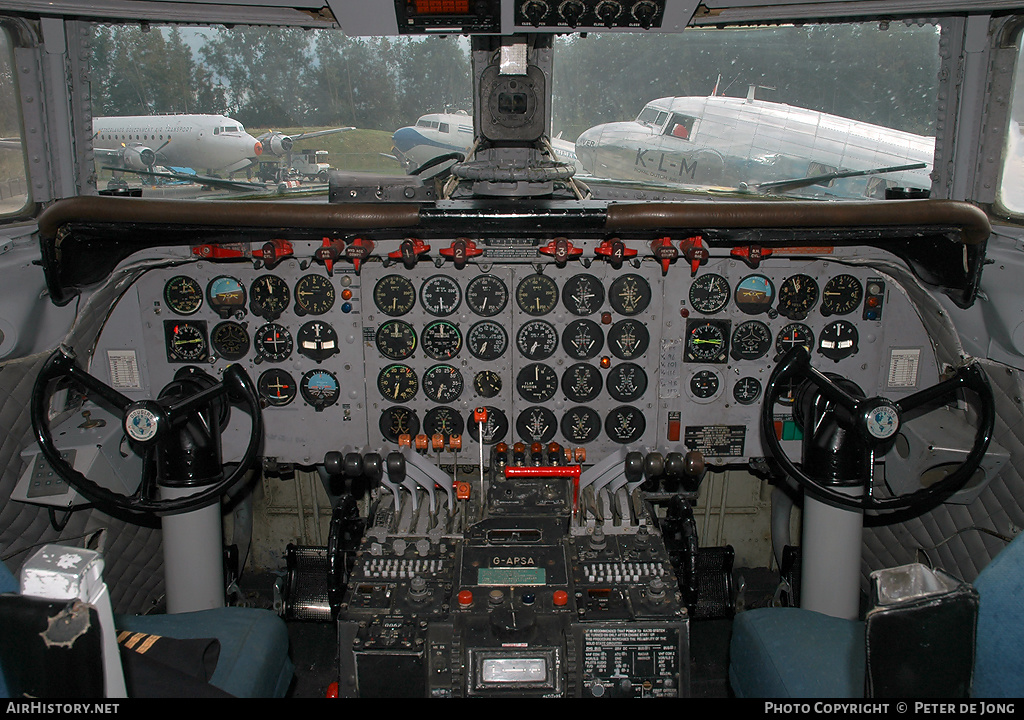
[833, 111]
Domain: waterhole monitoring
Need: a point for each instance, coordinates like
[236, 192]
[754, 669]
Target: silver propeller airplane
[754, 145]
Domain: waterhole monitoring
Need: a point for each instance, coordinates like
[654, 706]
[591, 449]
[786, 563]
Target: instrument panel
[589, 356]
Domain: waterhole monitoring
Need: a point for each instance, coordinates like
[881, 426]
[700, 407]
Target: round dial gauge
[229, 340]
[273, 342]
[706, 341]
[537, 295]
[186, 341]
[580, 425]
[537, 383]
[628, 339]
[841, 295]
[269, 297]
[709, 293]
[394, 295]
[797, 296]
[440, 295]
[793, 335]
[443, 384]
[396, 339]
[319, 388]
[537, 340]
[625, 424]
[317, 340]
[226, 295]
[629, 295]
[183, 295]
[838, 340]
[582, 383]
[444, 421]
[582, 339]
[747, 390]
[486, 295]
[314, 295]
[487, 384]
[755, 294]
[751, 340]
[487, 340]
[583, 294]
[398, 383]
[536, 424]
[397, 421]
[627, 382]
[441, 340]
[495, 428]
[276, 387]
[704, 384]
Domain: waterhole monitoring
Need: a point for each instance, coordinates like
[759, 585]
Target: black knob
[373, 467]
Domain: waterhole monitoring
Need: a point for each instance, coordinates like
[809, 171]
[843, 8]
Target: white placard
[903, 367]
[124, 370]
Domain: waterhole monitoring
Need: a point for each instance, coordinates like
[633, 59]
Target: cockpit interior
[678, 352]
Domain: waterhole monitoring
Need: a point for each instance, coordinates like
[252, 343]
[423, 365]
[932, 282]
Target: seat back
[999, 662]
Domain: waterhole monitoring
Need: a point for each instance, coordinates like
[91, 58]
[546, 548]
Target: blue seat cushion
[999, 659]
[253, 658]
[794, 653]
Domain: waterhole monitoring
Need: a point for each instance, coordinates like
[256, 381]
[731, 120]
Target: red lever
[752, 255]
[328, 252]
[615, 251]
[358, 250]
[664, 252]
[409, 252]
[273, 252]
[461, 251]
[695, 253]
[561, 249]
[217, 252]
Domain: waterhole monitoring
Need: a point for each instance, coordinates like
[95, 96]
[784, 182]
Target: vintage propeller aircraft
[504, 429]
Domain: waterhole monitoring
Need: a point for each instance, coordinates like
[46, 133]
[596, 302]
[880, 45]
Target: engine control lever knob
[373, 467]
[334, 463]
[693, 469]
[634, 468]
[396, 467]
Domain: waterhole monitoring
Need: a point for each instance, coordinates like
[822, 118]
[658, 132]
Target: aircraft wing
[10, 143]
[198, 179]
[318, 133]
[795, 183]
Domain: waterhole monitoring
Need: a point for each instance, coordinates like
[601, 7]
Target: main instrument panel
[595, 356]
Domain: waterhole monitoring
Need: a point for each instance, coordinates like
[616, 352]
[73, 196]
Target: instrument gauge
[537, 340]
[841, 295]
[226, 296]
[747, 390]
[269, 297]
[444, 421]
[706, 341]
[797, 296]
[704, 384]
[629, 295]
[625, 424]
[487, 384]
[273, 343]
[314, 295]
[838, 340]
[755, 294]
[186, 341]
[751, 340]
[582, 383]
[440, 295]
[486, 295]
[398, 421]
[793, 335]
[537, 383]
[537, 424]
[183, 295]
[495, 427]
[320, 389]
[709, 293]
[537, 295]
[580, 425]
[229, 340]
[317, 340]
[443, 384]
[441, 340]
[396, 339]
[627, 382]
[583, 294]
[276, 387]
[398, 383]
[582, 339]
[628, 339]
[394, 295]
[487, 340]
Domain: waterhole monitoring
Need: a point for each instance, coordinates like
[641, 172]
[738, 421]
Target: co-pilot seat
[226, 651]
[796, 653]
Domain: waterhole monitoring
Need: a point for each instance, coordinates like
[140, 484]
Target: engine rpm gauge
[797, 296]
[229, 340]
[629, 295]
[226, 296]
[537, 340]
[841, 295]
[183, 295]
[314, 295]
[269, 297]
[440, 295]
[394, 295]
[709, 293]
[276, 387]
[486, 295]
[537, 294]
[487, 340]
[320, 389]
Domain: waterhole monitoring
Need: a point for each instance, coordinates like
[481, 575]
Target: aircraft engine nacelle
[138, 158]
[277, 144]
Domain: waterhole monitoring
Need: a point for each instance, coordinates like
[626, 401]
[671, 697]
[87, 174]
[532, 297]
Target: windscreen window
[14, 194]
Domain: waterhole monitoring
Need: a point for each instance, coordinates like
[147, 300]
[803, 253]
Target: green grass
[358, 150]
